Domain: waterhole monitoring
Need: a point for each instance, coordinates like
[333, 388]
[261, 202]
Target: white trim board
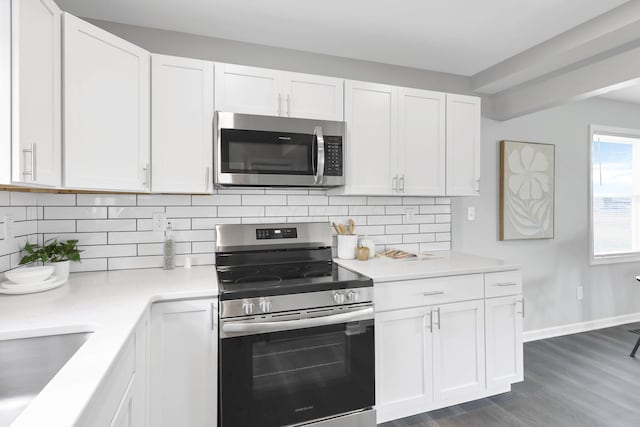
[574, 328]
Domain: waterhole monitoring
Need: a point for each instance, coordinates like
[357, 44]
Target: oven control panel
[333, 156]
[276, 233]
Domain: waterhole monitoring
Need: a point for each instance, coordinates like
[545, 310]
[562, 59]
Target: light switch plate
[7, 227]
[471, 213]
[159, 220]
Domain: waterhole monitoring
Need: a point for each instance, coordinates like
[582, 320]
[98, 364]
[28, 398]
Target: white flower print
[529, 178]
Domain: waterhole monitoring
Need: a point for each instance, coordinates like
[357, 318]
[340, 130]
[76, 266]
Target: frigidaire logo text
[304, 408]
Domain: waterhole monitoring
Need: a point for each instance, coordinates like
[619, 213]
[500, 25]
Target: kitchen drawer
[503, 283]
[423, 292]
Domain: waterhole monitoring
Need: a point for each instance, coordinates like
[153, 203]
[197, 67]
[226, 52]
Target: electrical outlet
[471, 213]
[159, 220]
[409, 213]
[7, 226]
[580, 292]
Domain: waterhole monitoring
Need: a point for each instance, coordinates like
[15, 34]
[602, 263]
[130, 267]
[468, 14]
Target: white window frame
[618, 257]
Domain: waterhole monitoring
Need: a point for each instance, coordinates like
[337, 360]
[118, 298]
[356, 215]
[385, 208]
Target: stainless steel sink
[27, 365]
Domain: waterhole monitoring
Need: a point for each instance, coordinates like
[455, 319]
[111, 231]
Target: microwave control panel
[333, 156]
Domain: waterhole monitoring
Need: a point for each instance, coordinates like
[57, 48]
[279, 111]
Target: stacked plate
[30, 280]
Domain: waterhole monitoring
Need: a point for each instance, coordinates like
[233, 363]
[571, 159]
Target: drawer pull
[507, 284]
[428, 294]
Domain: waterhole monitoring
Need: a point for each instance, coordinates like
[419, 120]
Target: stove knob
[353, 296]
[247, 307]
[338, 298]
[265, 305]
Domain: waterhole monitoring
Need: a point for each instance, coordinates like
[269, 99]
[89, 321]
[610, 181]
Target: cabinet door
[458, 350]
[504, 341]
[313, 97]
[463, 145]
[36, 85]
[106, 105]
[248, 90]
[181, 125]
[404, 383]
[5, 92]
[371, 113]
[422, 145]
[183, 364]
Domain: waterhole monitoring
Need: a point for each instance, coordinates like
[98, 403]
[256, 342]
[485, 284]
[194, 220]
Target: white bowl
[25, 276]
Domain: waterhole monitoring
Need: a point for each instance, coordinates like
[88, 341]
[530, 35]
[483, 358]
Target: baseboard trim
[574, 328]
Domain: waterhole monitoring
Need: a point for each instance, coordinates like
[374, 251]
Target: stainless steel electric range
[296, 330]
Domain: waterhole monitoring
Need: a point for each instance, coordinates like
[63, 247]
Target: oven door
[276, 151]
[284, 377]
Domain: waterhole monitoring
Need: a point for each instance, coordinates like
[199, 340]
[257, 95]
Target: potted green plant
[54, 253]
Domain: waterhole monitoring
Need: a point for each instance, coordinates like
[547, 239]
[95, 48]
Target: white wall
[553, 268]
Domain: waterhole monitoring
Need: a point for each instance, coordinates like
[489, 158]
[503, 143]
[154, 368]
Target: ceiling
[628, 94]
[453, 36]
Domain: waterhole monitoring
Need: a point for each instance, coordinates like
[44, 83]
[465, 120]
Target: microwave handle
[319, 176]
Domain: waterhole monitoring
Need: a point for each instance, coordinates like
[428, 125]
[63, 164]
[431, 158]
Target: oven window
[259, 152]
[299, 363]
[290, 377]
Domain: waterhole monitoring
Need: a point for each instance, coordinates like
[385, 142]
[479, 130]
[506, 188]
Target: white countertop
[109, 304]
[443, 264]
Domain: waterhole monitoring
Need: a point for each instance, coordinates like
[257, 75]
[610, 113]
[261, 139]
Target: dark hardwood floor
[585, 379]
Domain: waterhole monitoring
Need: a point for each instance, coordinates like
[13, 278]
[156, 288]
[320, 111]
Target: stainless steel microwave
[254, 150]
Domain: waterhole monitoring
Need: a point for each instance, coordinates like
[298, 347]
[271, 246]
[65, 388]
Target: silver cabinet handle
[214, 315]
[507, 284]
[207, 178]
[431, 293]
[394, 183]
[401, 183]
[288, 105]
[145, 177]
[476, 186]
[319, 177]
[34, 153]
[430, 321]
[521, 301]
[279, 104]
[284, 325]
[438, 313]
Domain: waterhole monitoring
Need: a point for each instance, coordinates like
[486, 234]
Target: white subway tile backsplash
[308, 200]
[108, 251]
[106, 199]
[115, 230]
[240, 211]
[90, 225]
[366, 210]
[164, 199]
[217, 200]
[262, 200]
[132, 212]
[73, 212]
[192, 211]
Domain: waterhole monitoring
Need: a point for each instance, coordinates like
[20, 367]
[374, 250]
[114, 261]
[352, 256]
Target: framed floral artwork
[527, 188]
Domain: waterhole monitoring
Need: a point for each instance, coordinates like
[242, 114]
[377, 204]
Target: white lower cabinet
[504, 340]
[121, 399]
[442, 354]
[183, 364]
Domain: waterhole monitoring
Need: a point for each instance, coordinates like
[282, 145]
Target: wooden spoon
[352, 226]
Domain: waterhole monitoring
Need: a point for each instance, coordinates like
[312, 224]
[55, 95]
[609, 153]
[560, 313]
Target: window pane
[612, 168]
[612, 225]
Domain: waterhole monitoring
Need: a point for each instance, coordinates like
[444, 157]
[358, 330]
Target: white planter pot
[62, 269]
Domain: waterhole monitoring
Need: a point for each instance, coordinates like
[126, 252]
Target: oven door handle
[284, 325]
[319, 176]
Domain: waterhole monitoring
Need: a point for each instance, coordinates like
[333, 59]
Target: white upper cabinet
[106, 110]
[463, 145]
[5, 92]
[372, 137]
[182, 125]
[248, 90]
[251, 90]
[36, 85]
[422, 142]
[313, 97]
[504, 340]
[458, 350]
